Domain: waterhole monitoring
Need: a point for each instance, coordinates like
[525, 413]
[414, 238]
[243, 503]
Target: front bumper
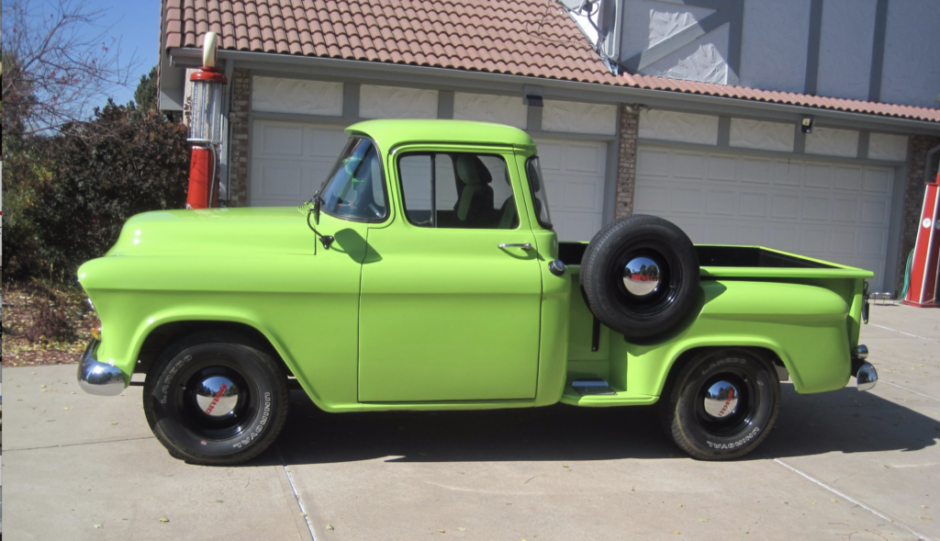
[865, 374]
[99, 378]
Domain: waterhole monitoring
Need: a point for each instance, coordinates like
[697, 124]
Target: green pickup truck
[425, 275]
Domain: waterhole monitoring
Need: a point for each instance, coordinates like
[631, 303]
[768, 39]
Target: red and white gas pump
[205, 130]
[925, 272]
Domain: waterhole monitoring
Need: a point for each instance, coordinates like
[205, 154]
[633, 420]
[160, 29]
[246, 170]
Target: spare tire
[640, 276]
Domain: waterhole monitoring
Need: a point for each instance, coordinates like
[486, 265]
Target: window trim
[549, 226]
[385, 192]
[432, 154]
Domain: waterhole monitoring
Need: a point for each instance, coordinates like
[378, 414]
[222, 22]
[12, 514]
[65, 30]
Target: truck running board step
[591, 386]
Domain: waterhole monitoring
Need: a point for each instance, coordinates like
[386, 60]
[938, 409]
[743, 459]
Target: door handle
[525, 246]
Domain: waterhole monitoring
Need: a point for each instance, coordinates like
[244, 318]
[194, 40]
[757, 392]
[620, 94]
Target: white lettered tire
[722, 404]
[215, 398]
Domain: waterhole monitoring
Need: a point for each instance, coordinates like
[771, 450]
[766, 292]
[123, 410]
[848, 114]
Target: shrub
[71, 193]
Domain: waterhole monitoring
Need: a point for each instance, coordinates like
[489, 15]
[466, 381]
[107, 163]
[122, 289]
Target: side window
[355, 189]
[457, 190]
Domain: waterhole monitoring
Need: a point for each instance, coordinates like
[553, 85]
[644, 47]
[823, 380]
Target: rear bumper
[99, 378]
[865, 374]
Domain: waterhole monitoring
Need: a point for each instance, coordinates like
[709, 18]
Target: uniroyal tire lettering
[265, 415]
[735, 444]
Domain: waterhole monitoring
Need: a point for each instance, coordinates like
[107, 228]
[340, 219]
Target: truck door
[451, 295]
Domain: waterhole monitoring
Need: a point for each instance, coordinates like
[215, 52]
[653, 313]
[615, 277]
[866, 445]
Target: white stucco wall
[883, 146]
[491, 108]
[761, 135]
[684, 127]
[845, 44]
[570, 116]
[301, 96]
[773, 53]
[832, 142]
[396, 102]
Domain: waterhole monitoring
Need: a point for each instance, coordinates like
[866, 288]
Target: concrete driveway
[843, 465]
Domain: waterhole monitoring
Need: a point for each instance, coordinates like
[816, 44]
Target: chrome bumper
[865, 374]
[99, 378]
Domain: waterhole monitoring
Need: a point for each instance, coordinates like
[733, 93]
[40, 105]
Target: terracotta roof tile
[532, 38]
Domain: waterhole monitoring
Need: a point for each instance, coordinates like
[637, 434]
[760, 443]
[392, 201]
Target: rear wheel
[722, 404]
[215, 398]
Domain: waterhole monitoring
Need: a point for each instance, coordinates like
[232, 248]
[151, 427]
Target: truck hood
[209, 232]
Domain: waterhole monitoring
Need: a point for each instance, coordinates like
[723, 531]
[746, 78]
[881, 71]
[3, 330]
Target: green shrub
[71, 193]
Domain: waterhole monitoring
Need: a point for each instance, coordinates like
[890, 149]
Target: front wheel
[214, 398]
[722, 404]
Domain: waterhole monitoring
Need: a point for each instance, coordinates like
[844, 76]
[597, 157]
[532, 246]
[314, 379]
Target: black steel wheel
[215, 398]
[640, 276]
[722, 404]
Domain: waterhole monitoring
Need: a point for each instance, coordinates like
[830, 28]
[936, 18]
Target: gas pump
[205, 133]
[924, 273]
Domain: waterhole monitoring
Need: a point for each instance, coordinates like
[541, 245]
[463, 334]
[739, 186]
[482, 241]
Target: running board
[592, 386]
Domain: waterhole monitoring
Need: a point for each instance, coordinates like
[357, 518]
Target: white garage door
[574, 174]
[829, 211]
[290, 160]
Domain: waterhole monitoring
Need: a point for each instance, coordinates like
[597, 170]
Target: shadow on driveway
[844, 421]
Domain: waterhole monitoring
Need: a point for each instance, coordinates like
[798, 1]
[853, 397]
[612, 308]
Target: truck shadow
[844, 421]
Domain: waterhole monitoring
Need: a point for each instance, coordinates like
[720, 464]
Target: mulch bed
[21, 305]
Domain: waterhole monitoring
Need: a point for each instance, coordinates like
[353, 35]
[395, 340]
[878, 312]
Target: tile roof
[532, 38]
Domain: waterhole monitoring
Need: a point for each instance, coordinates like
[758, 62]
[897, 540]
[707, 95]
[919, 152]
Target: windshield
[355, 189]
[537, 185]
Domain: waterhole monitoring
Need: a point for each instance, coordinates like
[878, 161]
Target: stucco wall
[912, 53]
[773, 54]
[845, 44]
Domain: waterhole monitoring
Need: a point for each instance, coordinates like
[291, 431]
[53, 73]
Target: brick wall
[917, 148]
[238, 156]
[626, 160]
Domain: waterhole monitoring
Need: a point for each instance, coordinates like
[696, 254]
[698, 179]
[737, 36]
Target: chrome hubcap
[721, 399]
[641, 276]
[217, 396]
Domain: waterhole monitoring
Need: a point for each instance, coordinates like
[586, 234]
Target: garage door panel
[574, 173]
[653, 163]
[817, 176]
[815, 208]
[839, 212]
[874, 212]
[847, 178]
[721, 168]
[785, 207]
[755, 171]
[687, 166]
[787, 173]
[753, 205]
[844, 210]
[290, 160]
[686, 200]
[720, 202]
[877, 181]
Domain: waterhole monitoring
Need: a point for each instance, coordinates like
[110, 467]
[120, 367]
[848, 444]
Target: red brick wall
[626, 160]
[238, 155]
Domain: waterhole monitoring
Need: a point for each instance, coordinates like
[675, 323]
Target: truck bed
[752, 296]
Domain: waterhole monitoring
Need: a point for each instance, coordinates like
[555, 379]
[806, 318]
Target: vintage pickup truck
[425, 275]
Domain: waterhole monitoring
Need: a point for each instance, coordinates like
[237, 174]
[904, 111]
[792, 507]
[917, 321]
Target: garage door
[574, 174]
[829, 211]
[290, 160]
